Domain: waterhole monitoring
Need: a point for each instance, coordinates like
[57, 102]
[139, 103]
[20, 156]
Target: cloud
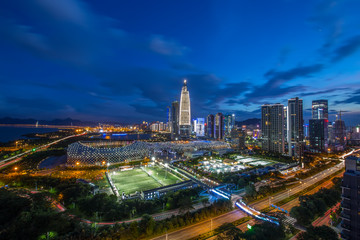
[23, 35]
[150, 110]
[162, 87]
[230, 90]
[274, 87]
[322, 92]
[166, 47]
[353, 98]
[67, 10]
[277, 77]
[349, 47]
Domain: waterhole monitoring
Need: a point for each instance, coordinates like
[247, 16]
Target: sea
[15, 133]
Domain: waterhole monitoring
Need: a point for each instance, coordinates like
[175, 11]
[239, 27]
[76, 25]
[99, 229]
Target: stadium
[96, 153]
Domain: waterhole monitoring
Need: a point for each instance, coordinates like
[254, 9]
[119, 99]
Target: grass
[134, 180]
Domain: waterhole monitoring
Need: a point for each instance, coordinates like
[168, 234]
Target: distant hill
[66, 121]
[251, 121]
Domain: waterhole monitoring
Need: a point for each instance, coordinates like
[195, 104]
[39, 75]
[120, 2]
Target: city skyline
[89, 61]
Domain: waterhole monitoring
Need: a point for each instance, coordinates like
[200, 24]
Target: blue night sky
[125, 61]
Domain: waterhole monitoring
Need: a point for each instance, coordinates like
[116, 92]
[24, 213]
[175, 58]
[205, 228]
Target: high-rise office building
[318, 131]
[174, 122]
[272, 123]
[229, 123]
[295, 127]
[185, 112]
[210, 126]
[339, 131]
[265, 126]
[168, 120]
[219, 126]
[199, 127]
[238, 136]
[350, 203]
[320, 109]
[318, 126]
[286, 148]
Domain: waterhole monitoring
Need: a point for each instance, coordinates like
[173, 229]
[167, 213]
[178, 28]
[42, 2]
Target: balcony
[345, 205]
[345, 216]
[346, 197]
[345, 226]
[346, 187]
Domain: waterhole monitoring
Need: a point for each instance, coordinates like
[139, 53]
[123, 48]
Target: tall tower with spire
[185, 112]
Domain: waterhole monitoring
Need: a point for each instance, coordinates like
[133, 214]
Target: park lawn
[134, 180]
[159, 174]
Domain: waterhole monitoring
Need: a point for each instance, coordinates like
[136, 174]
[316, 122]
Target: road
[295, 189]
[16, 158]
[295, 202]
[203, 227]
[197, 229]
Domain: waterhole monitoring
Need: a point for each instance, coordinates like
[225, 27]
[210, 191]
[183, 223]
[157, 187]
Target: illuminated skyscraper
[318, 131]
[199, 127]
[272, 123]
[185, 112]
[295, 127]
[219, 126]
[320, 109]
[229, 122]
[210, 126]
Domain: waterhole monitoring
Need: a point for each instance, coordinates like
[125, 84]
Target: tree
[147, 225]
[250, 190]
[265, 231]
[318, 233]
[185, 205]
[228, 231]
[205, 202]
[302, 215]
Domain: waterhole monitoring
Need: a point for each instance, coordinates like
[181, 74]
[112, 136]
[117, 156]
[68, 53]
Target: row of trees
[79, 199]
[261, 231]
[313, 206]
[31, 217]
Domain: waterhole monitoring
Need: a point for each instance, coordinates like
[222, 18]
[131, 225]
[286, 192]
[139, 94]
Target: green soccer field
[165, 178]
[131, 181]
[134, 180]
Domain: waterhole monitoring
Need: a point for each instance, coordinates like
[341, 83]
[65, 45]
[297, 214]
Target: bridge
[255, 213]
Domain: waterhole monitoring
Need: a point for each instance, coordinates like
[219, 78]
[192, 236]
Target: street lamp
[77, 163]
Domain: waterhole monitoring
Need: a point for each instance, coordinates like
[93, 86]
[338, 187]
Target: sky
[125, 61]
